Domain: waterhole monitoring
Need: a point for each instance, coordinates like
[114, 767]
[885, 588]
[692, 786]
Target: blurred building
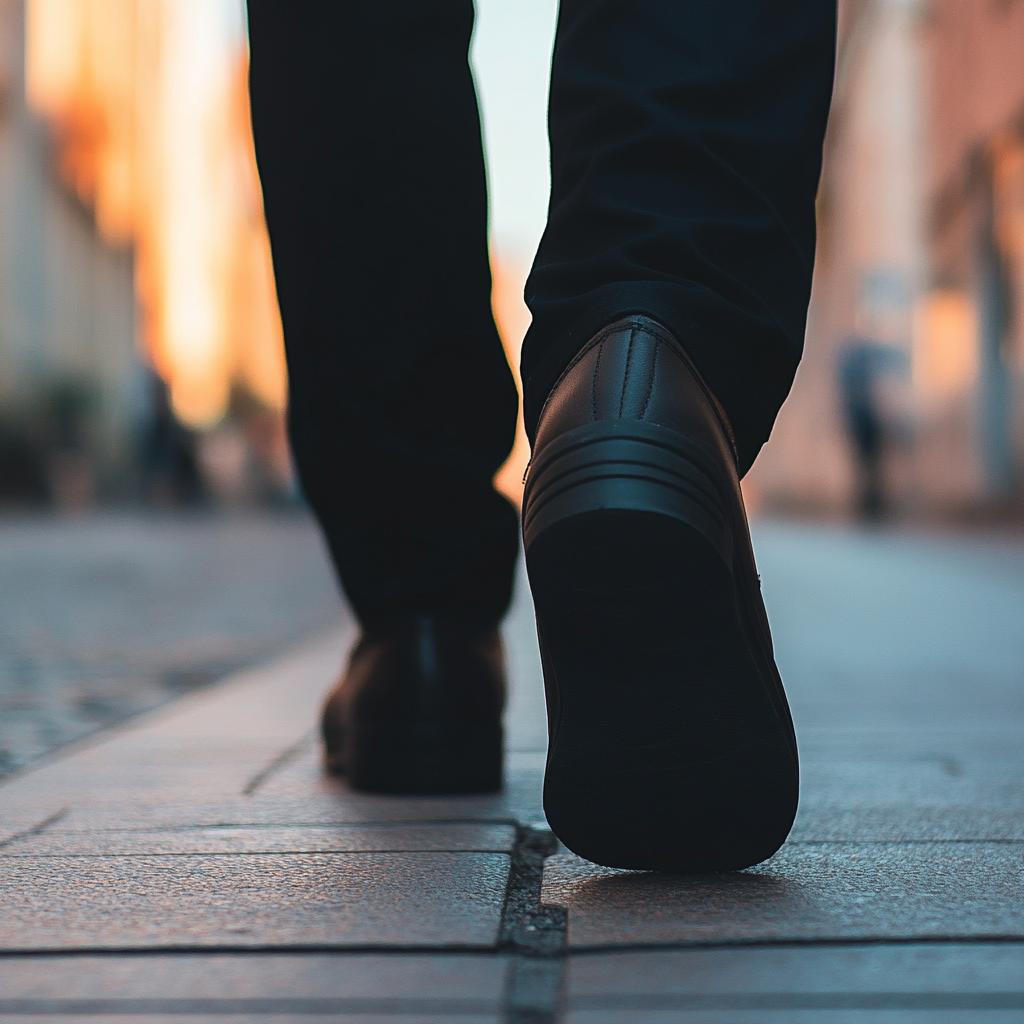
[67, 311]
[920, 261]
[136, 288]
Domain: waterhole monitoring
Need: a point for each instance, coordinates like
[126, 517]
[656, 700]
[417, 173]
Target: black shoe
[419, 708]
[671, 743]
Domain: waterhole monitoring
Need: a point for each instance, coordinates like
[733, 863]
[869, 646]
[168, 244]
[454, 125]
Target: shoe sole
[421, 760]
[671, 743]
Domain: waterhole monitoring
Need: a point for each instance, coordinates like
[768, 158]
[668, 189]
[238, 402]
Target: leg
[402, 405]
[686, 145]
[685, 149]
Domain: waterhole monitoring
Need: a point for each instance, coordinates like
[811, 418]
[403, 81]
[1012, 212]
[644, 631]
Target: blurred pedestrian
[859, 393]
[167, 449]
[669, 298]
[862, 371]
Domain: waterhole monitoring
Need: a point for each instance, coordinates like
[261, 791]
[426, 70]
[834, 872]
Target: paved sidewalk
[112, 613]
[196, 864]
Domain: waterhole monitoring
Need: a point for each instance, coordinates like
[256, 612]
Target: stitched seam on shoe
[625, 372]
[677, 349]
[593, 386]
[599, 339]
[650, 386]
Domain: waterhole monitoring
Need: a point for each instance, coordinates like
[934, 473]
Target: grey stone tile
[893, 784]
[351, 976]
[309, 987]
[301, 791]
[313, 799]
[897, 968]
[794, 1016]
[903, 982]
[179, 815]
[242, 900]
[879, 779]
[891, 628]
[907, 823]
[208, 747]
[806, 892]
[187, 772]
[492, 838]
[385, 1012]
[994, 743]
[17, 823]
[109, 614]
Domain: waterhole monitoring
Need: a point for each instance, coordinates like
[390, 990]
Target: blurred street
[198, 861]
[103, 616]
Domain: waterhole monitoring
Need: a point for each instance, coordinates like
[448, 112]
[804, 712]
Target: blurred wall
[139, 328]
[149, 106]
[918, 260]
[67, 306]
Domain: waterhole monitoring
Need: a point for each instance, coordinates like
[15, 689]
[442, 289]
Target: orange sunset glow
[148, 103]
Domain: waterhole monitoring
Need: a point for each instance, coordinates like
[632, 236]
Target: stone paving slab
[725, 1011]
[239, 900]
[260, 1011]
[886, 630]
[921, 967]
[257, 839]
[906, 982]
[363, 976]
[207, 747]
[806, 892]
[210, 825]
[97, 873]
[107, 614]
[919, 982]
[256, 1012]
[276, 986]
[907, 824]
[915, 785]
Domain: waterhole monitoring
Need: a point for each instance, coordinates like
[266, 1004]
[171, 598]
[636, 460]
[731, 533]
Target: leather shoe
[419, 708]
[671, 745]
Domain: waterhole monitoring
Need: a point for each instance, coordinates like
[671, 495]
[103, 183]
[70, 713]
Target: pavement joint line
[36, 829]
[283, 759]
[528, 926]
[534, 933]
[475, 952]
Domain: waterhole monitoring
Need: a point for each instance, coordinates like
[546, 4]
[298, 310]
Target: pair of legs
[685, 145]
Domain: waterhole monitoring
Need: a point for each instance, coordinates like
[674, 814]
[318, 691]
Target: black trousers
[686, 142]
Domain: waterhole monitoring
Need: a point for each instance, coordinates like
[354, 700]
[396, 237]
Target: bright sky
[511, 58]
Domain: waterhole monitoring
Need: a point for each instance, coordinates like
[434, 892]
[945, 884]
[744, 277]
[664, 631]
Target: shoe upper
[635, 369]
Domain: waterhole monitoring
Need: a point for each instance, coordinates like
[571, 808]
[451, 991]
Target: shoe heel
[666, 751]
[626, 465]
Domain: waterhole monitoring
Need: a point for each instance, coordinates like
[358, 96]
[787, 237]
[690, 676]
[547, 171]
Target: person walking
[669, 298]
